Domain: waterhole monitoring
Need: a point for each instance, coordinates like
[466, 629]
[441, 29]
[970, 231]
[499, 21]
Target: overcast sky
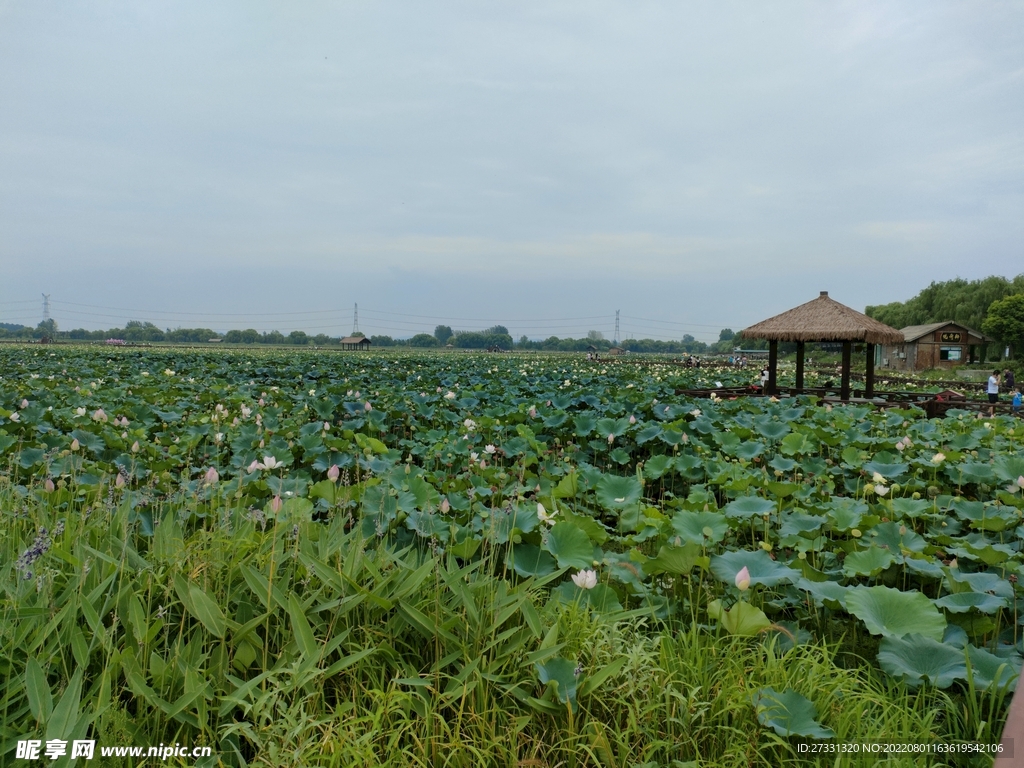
[541, 165]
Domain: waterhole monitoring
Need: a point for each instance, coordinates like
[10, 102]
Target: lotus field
[358, 559]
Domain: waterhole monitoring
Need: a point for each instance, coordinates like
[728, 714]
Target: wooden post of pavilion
[869, 371]
[799, 367]
[773, 365]
[844, 391]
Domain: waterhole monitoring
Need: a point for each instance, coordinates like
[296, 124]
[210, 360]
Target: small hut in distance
[355, 342]
[823, 319]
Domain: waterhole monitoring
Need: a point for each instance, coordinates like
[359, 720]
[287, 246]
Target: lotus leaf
[917, 659]
[892, 613]
[789, 714]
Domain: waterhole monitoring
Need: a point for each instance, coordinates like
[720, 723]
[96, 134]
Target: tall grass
[293, 642]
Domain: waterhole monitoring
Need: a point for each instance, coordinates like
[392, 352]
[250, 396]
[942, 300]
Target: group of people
[994, 383]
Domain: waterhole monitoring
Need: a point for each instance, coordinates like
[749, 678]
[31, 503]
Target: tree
[726, 335]
[496, 330]
[382, 341]
[299, 338]
[423, 340]
[594, 335]
[442, 333]
[1005, 321]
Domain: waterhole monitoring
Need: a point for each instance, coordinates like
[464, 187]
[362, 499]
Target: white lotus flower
[543, 515]
[80, 411]
[586, 579]
[270, 462]
[938, 458]
[489, 449]
[877, 478]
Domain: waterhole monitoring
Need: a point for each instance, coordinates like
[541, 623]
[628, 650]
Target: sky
[694, 166]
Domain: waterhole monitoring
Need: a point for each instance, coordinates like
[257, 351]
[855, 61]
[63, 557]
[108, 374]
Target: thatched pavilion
[823, 319]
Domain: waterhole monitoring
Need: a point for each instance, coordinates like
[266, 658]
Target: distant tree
[594, 335]
[1005, 321]
[322, 339]
[298, 338]
[497, 330]
[359, 335]
[233, 337]
[382, 341]
[423, 340]
[135, 330]
[688, 339]
[524, 341]
[46, 329]
[442, 333]
[726, 335]
[274, 337]
[188, 335]
[961, 301]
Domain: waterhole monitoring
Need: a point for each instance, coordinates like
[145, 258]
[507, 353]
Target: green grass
[304, 644]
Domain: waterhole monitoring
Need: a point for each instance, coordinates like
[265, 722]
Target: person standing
[993, 391]
[1008, 380]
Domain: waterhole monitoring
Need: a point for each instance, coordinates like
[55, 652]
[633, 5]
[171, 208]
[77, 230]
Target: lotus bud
[367, 407]
[49, 485]
[211, 476]
[75, 445]
[135, 447]
[632, 419]
[276, 504]
[445, 506]
[743, 579]
[99, 415]
[333, 473]
[611, 439]
[119, 482]
[24, 403]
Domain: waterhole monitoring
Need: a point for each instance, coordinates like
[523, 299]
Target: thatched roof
[355, 340]
[823, 319]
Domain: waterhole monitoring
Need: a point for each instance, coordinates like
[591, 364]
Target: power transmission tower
[355, 320]
[615, 341]
[46, 307]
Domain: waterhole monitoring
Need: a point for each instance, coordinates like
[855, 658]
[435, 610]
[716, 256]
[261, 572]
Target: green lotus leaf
[703, 528]
[961, 581]
[585, 424]
[530, 560]
[916, 659]
[1008, 468]
[746, 507]
[789, 714]
[570, 546]
[614, 492]
[899, 540]
[741, 619]
[782, 464]
[991, 671]
[656, 466]
[962, 602]
[828, 593]
[927, 568]
[676, 560]
[647, 434]
[889, 471]
[750, 449]
[846, 514]
[911, 507]
[560, 674]
[773, 430]
[762, 569]
[868, 562]
[892, 613]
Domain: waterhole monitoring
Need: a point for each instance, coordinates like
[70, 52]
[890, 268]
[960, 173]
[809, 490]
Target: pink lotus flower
[119, 482]
[99, 415]
[533, 412]
[333, 473]
[743, 579]
[211, 476]
[50, 487]
[254, 466]
[632, 419]
[367, 407]
[276, 504]
[445, 506]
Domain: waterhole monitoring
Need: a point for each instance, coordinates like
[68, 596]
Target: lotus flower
[75, 445]
[50, 487]
[611, 439]
[445, 506]
[270, 462]
[119, 482]
[15, 416]
[135, 446]
[449, 395]
[881, 490]
[99, 415]
[877, 478]
[276, 504]
[80, 411]
[327, 426]
[469, 424]
[533, 412]
[211, 476]
[333, 473]
[24, 403]
[586, 579]
[743, 579]
[367, 407]
[632, 419]
[254, 466]
[543, 516]
[938, 458]
[489, 449]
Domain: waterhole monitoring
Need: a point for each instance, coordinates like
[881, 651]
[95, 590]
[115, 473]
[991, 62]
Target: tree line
[993, 305]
